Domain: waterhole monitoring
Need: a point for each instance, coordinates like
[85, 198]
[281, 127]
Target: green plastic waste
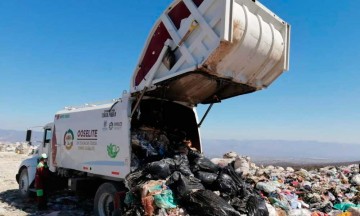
[165, 199]
[278, 203]
[345, 206]
[156, 188]
[129, 199]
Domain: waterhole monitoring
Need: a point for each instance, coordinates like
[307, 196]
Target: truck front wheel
[24, 183]
[104, 200]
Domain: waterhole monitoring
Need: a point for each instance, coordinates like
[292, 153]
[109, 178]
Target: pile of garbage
[23, 148]
[7, 147]
[326, 191]
[170, 177]
[19, 148]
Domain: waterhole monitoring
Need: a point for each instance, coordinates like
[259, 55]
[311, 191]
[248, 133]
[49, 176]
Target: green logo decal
[113, 150]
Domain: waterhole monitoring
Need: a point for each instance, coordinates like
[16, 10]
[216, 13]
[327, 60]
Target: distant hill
[273, 151]
[281, 150]
[18, 136]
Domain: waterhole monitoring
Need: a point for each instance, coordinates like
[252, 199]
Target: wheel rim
[106, 204]
[24, 184]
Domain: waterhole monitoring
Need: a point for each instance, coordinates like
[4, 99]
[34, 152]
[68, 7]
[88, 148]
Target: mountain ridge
[285, 149]
[259, 150]
[18, 136]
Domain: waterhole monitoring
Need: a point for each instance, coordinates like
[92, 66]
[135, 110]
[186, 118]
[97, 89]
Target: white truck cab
[27, 169]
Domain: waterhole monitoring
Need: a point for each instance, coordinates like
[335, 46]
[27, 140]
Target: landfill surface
[175, 179]
[170, 177]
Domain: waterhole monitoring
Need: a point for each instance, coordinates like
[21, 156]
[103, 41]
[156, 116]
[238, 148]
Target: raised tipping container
[203, 51]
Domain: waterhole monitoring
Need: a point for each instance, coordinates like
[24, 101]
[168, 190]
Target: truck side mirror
[28, 135]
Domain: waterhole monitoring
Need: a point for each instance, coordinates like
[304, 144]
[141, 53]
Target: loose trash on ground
[170, 178]
[18, 147]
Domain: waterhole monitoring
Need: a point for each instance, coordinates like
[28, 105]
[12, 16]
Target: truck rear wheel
[24, 183]
[104, 200]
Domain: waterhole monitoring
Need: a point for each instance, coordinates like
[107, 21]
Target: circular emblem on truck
[68, 139]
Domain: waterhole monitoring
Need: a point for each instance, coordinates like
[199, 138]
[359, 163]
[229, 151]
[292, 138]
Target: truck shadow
[59, 203]
[16, 202]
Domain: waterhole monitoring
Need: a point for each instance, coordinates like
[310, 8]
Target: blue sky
[59, 53]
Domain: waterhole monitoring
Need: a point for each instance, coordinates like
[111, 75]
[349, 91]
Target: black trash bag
[229, 169]
[207, 203]
[136, 178]
[250, 182]
[182, 165]
[161, 169]
[176, 136]
[251, 205]
[256, 206]
[207, 179]
[243, 189]
[239, 204]
[308, 188]
[204, 164]
[327, 208]
[193, 155]
[226, 185]
[182, 185]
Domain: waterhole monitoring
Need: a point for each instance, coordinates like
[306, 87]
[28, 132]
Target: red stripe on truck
[115, 173]
[178, 13]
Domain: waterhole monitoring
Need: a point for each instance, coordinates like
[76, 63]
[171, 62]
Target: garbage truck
[198, 52]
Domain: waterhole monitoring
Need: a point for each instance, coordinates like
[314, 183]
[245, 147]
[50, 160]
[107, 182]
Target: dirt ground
[11, 204]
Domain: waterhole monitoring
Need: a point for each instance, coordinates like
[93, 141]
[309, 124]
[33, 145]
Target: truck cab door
[46, 144]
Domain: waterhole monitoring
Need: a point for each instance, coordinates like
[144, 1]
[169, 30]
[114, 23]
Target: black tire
[24, 183]
[104, 200]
